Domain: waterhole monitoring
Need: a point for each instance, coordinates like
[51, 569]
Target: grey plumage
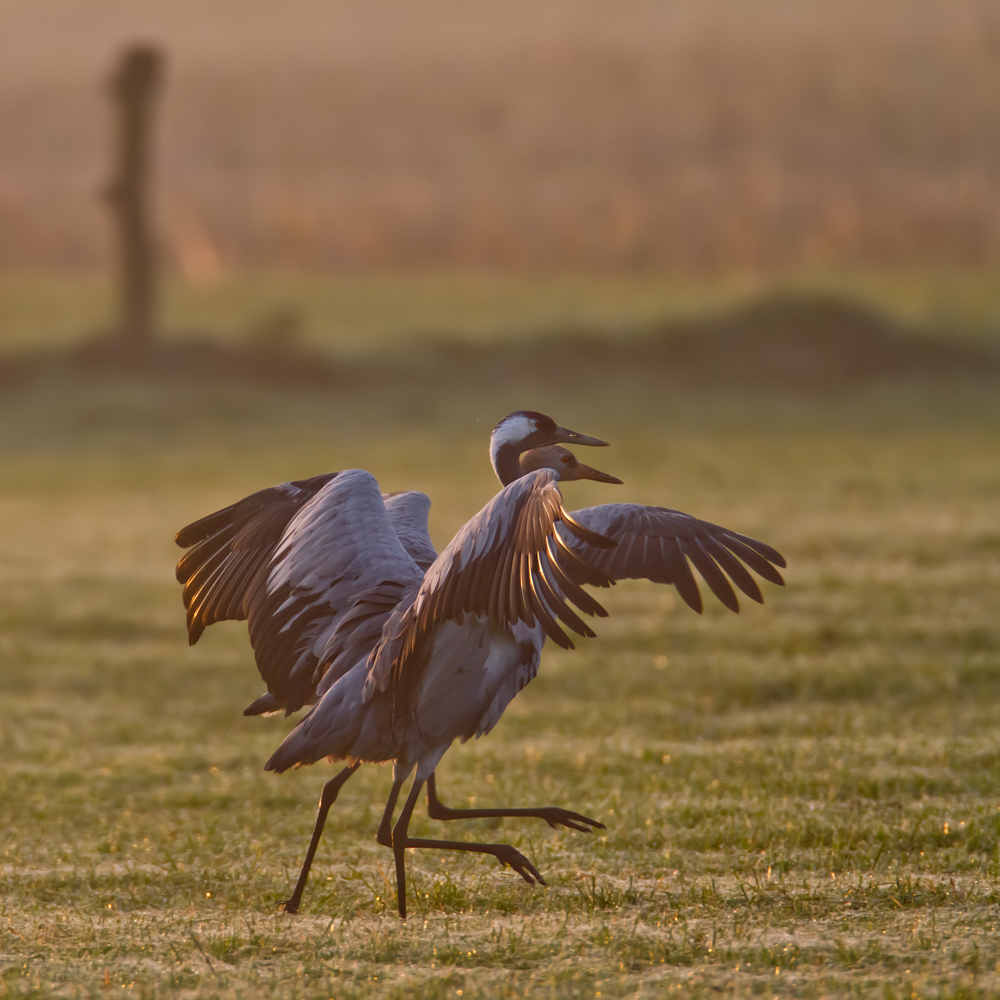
[408, 512]
[293, 560]
[451, 656]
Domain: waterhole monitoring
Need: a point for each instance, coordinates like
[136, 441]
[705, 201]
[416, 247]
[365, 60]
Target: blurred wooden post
[134, 89]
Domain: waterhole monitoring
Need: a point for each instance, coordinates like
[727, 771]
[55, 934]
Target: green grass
[359, 314]
[802, 800]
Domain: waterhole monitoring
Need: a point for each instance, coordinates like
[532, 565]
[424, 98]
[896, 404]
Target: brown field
[546, 135]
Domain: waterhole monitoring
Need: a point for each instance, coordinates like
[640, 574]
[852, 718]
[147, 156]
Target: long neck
[505, 462]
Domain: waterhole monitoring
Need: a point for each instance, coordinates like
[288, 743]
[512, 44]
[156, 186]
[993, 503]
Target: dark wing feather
[656, 543]
[733, 568]
[712, 573]
[226, 547]
[680, 572]
[198, 555]
[737, 544]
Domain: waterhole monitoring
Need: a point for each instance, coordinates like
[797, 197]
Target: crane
[291, 560]
[428, 654]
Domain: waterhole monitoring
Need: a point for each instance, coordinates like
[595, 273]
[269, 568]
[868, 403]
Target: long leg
[504, 853]
[552, 815]
[399, 843]
[326, 799]
[384, 834]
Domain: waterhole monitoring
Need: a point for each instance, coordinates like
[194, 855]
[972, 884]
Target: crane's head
[523, 430]
[564, 463]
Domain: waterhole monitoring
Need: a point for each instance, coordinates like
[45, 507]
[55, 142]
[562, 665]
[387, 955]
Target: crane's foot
[506, 855]
[554, 816]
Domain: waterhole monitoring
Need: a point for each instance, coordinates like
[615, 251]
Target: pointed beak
[566, 436]
[586, 472]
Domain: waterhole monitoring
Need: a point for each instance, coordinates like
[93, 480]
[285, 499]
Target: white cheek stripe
[510, 431]
[513, 429]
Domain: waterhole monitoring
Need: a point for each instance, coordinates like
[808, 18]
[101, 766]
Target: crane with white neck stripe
[403, 651]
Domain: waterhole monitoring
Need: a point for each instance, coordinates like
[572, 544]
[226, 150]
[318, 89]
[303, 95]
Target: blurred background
[641, 136]
[677, 154]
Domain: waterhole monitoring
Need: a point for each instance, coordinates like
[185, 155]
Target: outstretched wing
[230, 549]
[295, 574]
[655, 543]
[507, 565]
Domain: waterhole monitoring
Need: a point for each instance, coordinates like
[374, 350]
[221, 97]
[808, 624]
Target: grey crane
[403, 668]
[294, 561]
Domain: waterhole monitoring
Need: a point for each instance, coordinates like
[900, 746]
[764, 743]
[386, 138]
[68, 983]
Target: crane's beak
[566, 436]
[582, 471]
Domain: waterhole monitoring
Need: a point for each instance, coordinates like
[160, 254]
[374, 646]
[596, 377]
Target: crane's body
[456, 648]
[402, 651]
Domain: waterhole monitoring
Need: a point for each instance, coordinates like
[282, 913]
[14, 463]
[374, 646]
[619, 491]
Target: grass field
[803, 800]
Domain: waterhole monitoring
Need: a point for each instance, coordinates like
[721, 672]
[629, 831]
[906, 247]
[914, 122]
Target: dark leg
[327, 799]
[384, 835]
[400, 843]
[551, 814]
[504, 853]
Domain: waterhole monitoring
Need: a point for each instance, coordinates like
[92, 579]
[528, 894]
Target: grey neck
[506, 463]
